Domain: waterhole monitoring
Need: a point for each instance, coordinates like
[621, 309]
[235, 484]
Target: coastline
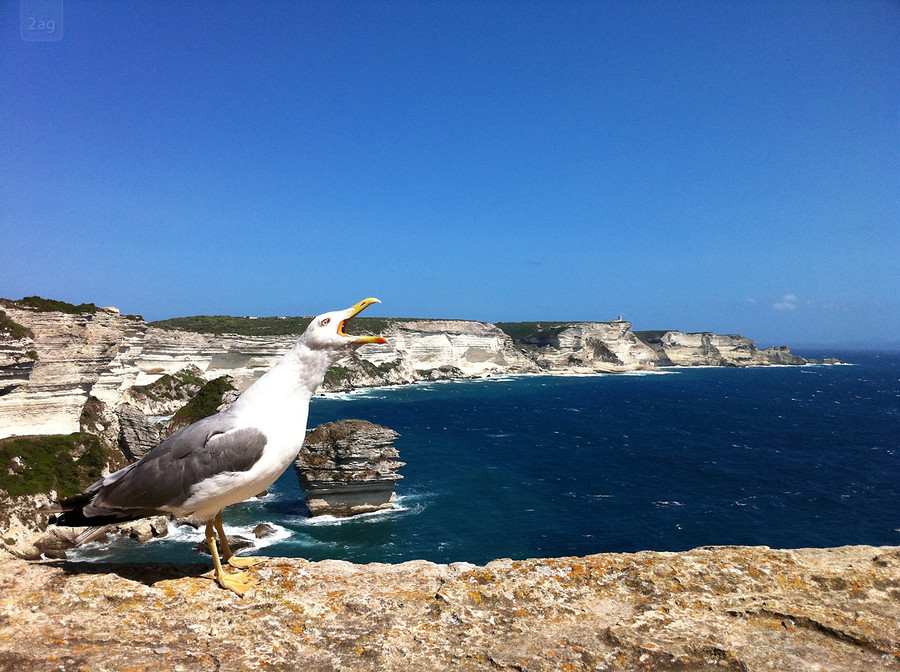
[500, 376]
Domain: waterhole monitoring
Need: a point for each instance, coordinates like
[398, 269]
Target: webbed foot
[244, 562]
[238, 583]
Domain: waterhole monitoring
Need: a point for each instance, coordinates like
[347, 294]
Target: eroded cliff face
[677, 348]
[72, 352]
[589, 347]
[433, 350]
[718, 608]
[46, 380]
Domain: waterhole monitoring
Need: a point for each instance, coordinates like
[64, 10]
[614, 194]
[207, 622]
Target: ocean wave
[326, 520]
[403, 505]
[185, 536]
[648, 373]
[189, 534]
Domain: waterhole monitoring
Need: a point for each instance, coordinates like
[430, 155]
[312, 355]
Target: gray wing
[164, 477]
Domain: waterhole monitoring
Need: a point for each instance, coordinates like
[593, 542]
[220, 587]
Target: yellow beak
[353, 312]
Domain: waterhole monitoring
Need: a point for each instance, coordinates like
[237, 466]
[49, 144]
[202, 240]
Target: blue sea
[538, 466]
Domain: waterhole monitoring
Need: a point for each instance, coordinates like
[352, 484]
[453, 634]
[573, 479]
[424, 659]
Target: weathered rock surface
[20, 526]
[587, 347]
[348, 467]
[244, 358]
[168, 393]
[676, 348]
[474, 348]
[104, 354]
[138, 434]
[72, 353]
[725, 608]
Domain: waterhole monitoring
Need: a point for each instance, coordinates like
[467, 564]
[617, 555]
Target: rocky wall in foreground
[719, 608]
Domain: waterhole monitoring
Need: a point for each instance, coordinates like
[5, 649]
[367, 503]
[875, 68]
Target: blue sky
[724, 166]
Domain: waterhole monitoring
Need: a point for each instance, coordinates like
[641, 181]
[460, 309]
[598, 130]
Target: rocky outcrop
[677, 348]
[137, 434]
[474, 348]
[212, 397]
[20, 526]
[423, 350]
[348, 467]
[243, 358]
[168, 393]
[71, 352]
[719, 608]
[781, 354]
[590, 347]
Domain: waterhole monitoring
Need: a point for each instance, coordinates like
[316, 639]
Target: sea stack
[348, 467]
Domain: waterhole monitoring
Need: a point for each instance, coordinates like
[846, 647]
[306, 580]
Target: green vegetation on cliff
[12, 330]
[533, 333]
[169, 385]
[649, 336]
[267, 326]
[66, 463]
[244, 326]
[338, 376]
[205, 402]
[42, 305]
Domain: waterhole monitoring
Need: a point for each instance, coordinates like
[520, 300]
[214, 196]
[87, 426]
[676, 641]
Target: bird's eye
[325, 321]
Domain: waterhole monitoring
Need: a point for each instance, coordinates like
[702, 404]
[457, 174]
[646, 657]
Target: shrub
[51, 305]
[533, 333]
[66, 463]
[205, 403]
[12, 330]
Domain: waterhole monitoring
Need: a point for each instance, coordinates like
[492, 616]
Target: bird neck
[292, 381]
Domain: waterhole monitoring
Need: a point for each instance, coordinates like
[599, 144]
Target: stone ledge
[716, 608]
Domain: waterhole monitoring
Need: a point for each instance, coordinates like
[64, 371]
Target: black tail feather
[70, 513]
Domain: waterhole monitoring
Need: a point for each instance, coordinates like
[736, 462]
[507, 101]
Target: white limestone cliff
[474, 348]
[708, 349]
[589, 347]
[72, 352]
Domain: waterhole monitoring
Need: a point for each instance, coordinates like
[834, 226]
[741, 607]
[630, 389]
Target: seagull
[227, 457]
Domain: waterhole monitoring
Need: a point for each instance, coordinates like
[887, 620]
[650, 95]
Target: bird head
[326, 331]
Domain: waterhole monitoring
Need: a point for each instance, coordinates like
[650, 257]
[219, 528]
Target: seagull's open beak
[353, 312]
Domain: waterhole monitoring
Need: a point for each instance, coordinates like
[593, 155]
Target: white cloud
[787, 302]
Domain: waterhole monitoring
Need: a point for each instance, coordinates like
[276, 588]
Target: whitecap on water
[648, 373]
[189, 534]
[403, 505]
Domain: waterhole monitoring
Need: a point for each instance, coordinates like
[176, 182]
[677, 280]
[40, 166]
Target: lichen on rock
[736, 608]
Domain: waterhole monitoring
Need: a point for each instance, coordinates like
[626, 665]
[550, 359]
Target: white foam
[372, 516]
[648, 373]
[190, 534]
[405, 504]
[382, 392]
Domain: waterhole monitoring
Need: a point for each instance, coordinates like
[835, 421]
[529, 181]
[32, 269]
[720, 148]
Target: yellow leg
[227, 555]
[237, 583]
